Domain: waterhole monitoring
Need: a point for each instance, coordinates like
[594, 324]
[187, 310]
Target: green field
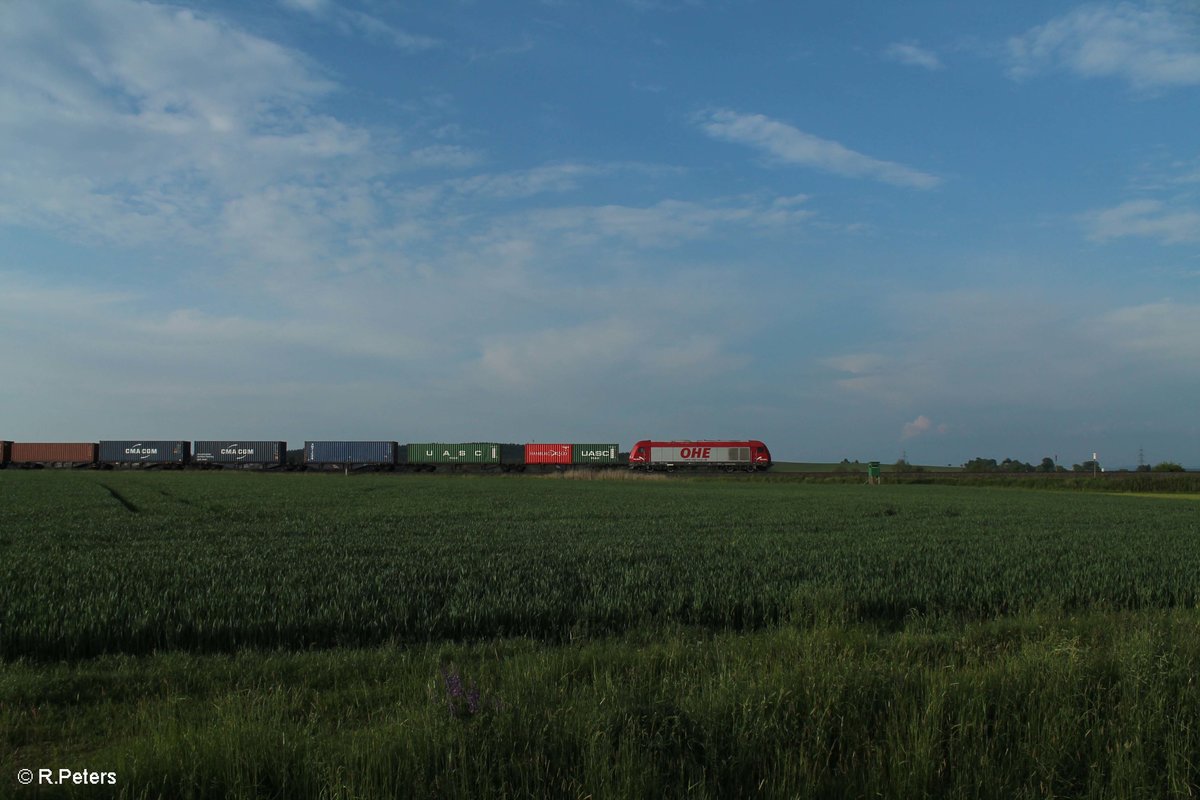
[298, 635]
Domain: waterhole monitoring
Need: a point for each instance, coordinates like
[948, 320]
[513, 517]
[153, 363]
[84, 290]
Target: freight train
[748, 455]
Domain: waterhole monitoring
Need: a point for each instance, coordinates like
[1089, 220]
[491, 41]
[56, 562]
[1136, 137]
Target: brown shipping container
[54, 453]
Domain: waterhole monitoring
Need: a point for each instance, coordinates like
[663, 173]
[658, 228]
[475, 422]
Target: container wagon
[749, 455]
[54, 454]
[357, 455]
[239, 453]
[144, 453]
[562, 456]
[429, 456]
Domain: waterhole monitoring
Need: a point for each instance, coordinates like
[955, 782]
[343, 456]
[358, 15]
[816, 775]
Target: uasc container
[464, 453]
[594, 453]
[349, 453]
[144, 451]
[234, 452]
[54, 453]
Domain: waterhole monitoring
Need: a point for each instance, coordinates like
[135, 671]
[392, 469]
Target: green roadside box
[873, 469]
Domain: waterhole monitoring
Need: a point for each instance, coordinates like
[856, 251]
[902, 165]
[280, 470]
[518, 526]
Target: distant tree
[1047, 465]
[1013, 465]
[1143, 468]
[1167, 466]
[1087, 466]
[980, 465]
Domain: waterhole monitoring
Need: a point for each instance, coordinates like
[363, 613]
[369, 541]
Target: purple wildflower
[454, 684]
[465, 700]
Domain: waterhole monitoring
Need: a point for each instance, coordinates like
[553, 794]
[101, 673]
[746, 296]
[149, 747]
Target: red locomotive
[749, 455]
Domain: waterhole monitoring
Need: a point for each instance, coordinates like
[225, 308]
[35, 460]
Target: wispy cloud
[1147, 47]
[971, 350]
[1148, 218]
[526, 183]
[351, 22]
[1166, 331]
[793, 146]
[668, 222]
[912, 55]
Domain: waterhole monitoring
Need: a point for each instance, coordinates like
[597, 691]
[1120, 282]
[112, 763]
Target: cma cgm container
[144, 451]
[749, 454]
[58, 454]
[453, 453]
[350, 453]
[239, 453]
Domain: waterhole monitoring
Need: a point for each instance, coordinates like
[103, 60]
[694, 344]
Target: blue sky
[853, 230]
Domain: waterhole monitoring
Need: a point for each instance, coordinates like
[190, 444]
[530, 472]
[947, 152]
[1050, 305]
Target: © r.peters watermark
[66, 777]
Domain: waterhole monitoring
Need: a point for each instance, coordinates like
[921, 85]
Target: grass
[214, 635]
[1083, 706]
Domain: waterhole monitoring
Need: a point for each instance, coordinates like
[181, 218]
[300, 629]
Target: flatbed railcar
[749, 455]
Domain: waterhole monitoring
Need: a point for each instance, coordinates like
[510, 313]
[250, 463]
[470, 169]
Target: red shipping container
[547, 454]
[54, 453]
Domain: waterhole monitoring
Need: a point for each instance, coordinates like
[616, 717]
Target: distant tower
[1141, 458]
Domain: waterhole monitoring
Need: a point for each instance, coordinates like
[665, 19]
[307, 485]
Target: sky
[867, 230]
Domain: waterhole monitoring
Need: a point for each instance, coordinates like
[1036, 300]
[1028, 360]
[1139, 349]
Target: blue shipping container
[144, 451]
[350, 453]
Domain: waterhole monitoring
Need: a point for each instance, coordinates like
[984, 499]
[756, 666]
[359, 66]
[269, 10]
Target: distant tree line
[1048, 465]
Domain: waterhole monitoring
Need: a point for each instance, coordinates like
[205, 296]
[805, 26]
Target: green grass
[213, 635]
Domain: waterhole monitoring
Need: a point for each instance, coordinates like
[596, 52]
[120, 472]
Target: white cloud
[120, 118]
[1148, 48]
[1148, 218]
[793, 146]
[912, 55]
[921, 426]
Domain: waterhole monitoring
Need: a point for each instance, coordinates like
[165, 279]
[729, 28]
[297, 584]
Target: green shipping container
[460, 453]
[594, 453]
